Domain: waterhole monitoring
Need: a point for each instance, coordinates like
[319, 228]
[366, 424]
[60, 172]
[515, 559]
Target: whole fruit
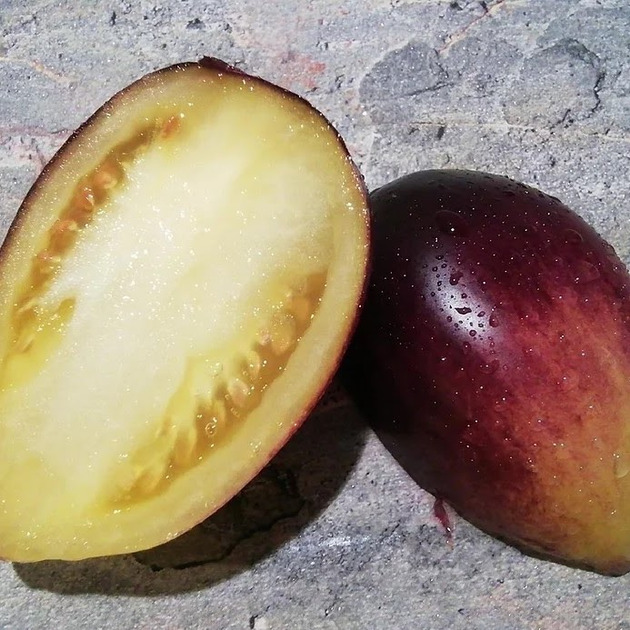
[493, 359]
[175, 293]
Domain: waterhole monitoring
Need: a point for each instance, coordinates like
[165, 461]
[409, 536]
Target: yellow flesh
[175, 298]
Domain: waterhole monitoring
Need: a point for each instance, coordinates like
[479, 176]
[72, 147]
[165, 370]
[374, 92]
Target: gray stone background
[333, 535]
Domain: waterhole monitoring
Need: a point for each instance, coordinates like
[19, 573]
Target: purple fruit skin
[492, 358]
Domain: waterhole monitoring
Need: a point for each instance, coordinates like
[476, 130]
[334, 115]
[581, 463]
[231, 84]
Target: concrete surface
[333, 535]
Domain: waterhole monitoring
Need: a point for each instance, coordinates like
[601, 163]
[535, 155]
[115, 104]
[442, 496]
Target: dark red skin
[489, 357]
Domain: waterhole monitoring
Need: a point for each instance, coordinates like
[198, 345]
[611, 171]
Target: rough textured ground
[333, 535]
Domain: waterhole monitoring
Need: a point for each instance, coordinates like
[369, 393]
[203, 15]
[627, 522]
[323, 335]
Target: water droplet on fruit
[466, 347]
[472, 333]
[616, 263]
[238, 391]
[455, 277]
[452, 223]
[586, 272]
[490, 368]
[621, 465]
[211, 427]
[463, 310]
[500, 403]
[493, 321]
[572, 236]
[568, 381]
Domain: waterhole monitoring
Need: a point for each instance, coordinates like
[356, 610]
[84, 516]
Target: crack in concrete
[240, 520]
[488, 12]
[432, 88]
[579, 51]
[40, 68]
[33, 131]
[156, 567]
[19, 143]
[601, 76]
[505, 126]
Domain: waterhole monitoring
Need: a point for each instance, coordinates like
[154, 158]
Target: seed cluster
[213, 399]
[35, 329]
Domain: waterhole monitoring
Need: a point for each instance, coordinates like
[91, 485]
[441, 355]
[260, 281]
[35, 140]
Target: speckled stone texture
[333, 535]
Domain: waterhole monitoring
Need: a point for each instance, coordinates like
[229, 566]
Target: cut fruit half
[176, 292]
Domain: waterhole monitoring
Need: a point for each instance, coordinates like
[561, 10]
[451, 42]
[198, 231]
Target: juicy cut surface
[161, 307]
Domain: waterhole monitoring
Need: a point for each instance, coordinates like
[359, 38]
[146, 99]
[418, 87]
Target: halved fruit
[176, 292]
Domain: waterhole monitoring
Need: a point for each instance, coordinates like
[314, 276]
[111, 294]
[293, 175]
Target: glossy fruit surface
[493, 359]
[175, 293]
